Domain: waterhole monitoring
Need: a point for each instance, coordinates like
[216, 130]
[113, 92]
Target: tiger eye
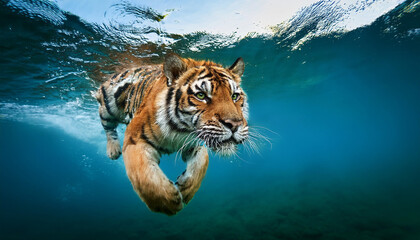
[200, 95]
[235, 96]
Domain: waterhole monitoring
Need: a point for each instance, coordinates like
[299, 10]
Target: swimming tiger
[180, 106]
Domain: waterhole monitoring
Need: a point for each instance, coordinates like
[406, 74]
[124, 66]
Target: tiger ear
[238, 67]
[173, 67]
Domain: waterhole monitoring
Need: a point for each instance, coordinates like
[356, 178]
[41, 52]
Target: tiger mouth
[218, 144]
[225, 148]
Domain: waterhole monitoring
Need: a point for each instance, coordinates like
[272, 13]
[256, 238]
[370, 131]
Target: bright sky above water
[226, 17]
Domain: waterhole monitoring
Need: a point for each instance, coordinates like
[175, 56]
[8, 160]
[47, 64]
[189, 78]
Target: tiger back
[120, 97]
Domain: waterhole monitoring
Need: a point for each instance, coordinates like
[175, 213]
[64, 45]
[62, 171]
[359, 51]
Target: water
[341, 104]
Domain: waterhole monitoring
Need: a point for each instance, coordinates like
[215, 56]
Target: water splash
[324, 18]
[38, 9]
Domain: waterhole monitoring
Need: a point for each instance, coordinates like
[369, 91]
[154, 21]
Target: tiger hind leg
[113, 147]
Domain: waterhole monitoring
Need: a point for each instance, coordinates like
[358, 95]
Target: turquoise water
[341, 111]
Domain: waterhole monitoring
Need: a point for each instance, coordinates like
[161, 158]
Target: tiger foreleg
[113, 147]
[151, 184]
[190, 180]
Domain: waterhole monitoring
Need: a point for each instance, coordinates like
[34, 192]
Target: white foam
[75, 118]
[333, 17]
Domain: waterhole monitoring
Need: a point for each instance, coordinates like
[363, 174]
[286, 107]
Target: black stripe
[190, 77]
[131, 91]
[141, 90]
[175, 127]
[106, 101]
[106, 128]
[109, 124]
[150, 82]
[216, 86]
[147, 72]
[114, 135]
[123, 75]
[138, 90]
[106, 119]
[218, 74]
[190, 91]
[186, 112]
[191, 103]
[204, 86]
[130, 99]
[202, 70]
[196, 120]
[147, 140]
[135, 97]
[120, 90]
[212, 83]
[115, 75]
[178, 95]
[192, 118]
[198, 88]
[169, 95]
[171, 123]
[141, 73]
[213, 72]
[143, 87]
[209, 75]
[137, 70]
[208, 100]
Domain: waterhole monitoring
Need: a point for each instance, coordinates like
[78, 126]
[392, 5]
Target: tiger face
[206, 100]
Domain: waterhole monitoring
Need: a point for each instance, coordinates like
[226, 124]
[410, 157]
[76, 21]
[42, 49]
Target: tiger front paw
[190, 180]
[165, 199]
[187, 186]
[113, 149]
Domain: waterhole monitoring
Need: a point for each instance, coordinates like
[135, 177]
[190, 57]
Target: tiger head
[206, 100]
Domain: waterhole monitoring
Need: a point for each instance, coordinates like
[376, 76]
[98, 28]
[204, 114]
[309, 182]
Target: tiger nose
[232, 124]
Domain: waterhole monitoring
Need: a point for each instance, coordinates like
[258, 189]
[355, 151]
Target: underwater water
[340, 108]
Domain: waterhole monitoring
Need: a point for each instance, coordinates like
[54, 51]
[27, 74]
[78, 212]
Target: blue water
[341, 110]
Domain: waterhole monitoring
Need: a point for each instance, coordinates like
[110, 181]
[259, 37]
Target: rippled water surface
[334, 85]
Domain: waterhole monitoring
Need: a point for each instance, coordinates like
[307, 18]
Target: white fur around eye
[202, 85]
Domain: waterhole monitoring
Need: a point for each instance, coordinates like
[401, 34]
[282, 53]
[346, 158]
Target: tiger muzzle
[232, 124]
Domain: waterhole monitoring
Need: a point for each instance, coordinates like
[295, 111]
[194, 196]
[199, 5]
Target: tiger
[182, 105]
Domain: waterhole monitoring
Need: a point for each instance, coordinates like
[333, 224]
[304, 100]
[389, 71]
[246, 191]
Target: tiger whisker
[185, 143]
[254, 133]
[267, 129]
[254, 148]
